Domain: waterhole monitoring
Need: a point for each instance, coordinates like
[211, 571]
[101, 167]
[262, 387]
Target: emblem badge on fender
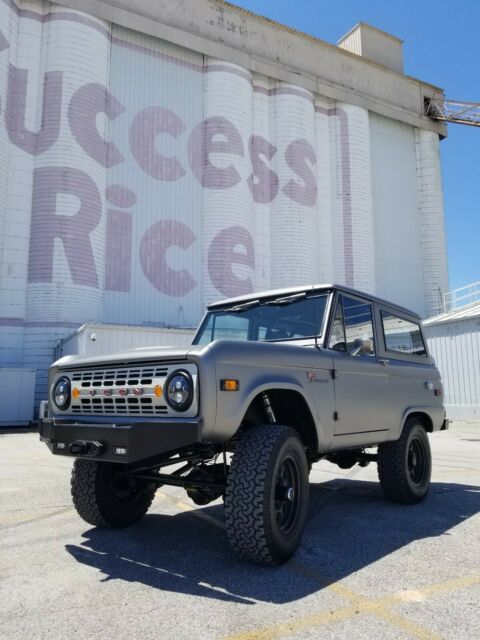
[312, 377]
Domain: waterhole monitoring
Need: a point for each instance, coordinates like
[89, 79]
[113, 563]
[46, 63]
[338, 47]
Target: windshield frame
[308, 340]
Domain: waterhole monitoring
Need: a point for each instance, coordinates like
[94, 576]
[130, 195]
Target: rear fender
[433, 415]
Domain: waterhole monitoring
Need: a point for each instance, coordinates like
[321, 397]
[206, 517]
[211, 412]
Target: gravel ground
[366, 568]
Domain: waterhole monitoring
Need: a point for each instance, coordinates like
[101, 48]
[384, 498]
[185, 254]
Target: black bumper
[126, 444]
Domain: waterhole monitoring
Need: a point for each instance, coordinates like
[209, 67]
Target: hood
[129, 356]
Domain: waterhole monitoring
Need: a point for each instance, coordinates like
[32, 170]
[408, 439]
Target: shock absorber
[267, 405]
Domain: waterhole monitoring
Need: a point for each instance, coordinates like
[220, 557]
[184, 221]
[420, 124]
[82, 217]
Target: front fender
[265, 366]
[232, 407]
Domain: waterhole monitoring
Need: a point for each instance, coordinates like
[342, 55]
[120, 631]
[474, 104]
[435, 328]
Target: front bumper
[126, 444]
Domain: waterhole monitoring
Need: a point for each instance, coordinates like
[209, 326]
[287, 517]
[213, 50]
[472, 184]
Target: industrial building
[156, 156]
[454, 341]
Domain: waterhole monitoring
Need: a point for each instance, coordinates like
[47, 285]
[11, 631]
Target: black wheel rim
[416, 461]
[124, 488]
[287, 494]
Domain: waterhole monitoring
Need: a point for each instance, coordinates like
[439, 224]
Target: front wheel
[105, 496]
[266, 497]
[405, 466]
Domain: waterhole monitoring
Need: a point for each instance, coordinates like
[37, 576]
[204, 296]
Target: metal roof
[464, 313]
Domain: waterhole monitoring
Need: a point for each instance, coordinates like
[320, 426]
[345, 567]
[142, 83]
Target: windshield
[289, 318]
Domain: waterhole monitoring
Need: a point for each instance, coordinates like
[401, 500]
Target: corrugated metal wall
[456, 349]
[139, 181]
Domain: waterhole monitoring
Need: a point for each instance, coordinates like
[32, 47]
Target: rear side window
[402, 335]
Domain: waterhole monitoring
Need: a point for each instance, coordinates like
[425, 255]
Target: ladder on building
[453, 111]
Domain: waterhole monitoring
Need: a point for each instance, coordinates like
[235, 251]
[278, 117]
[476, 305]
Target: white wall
[398, 267]
[456, 349]
[432, 220]
[96, 339]
[140, 180]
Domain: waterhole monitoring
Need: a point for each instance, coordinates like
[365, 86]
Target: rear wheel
[405, 466]
[266, 497]
[105, 496]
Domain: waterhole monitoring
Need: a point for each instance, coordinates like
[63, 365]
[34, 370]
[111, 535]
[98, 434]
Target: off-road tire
[263, 525]
[405, 466]
[105, 498]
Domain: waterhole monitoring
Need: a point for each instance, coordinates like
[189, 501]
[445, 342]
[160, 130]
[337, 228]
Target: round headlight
[61, 393]
[178, 390]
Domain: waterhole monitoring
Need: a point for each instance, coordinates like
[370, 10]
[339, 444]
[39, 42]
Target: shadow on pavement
[350, 526]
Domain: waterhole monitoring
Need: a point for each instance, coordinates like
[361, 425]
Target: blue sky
[442, 46]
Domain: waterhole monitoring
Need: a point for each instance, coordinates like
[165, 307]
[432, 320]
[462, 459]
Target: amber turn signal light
[75, 393]
[229, 385]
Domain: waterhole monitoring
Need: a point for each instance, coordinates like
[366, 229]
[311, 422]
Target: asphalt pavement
[366, 568]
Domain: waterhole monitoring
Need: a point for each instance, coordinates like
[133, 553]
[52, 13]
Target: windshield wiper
[244, 306]
[287, 299]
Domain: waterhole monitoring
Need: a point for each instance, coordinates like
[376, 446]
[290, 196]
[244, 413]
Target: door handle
[384, 361]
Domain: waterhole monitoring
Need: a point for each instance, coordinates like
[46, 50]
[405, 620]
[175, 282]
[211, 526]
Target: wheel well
[424, 419]
[290, 409]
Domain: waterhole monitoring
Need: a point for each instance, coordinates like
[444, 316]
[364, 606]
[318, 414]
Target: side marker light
[229, 385]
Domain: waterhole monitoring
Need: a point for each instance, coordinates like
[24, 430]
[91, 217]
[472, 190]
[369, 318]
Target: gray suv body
[272, 383]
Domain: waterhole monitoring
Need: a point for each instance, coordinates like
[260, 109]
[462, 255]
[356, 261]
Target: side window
[337, 334]
[352, 328]
[402, 335]
[359, 334]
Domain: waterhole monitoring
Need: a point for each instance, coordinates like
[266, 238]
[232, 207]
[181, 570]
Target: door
[361, 377]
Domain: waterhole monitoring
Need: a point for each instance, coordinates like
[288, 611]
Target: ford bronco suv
[272, 383]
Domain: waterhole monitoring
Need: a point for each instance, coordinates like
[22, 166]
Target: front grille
[125, 391]
[119, 407]
[119, 377]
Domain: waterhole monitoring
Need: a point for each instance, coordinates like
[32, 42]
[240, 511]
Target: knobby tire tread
[88, 491]
[84, 494]
[245, 495]
[391, 468]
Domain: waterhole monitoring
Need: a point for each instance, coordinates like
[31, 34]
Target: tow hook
[85, 448]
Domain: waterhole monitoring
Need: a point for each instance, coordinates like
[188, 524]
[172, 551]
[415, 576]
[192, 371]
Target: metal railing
[461, 297]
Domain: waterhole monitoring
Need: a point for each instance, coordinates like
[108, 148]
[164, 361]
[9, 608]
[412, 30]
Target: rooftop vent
[374, 44]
